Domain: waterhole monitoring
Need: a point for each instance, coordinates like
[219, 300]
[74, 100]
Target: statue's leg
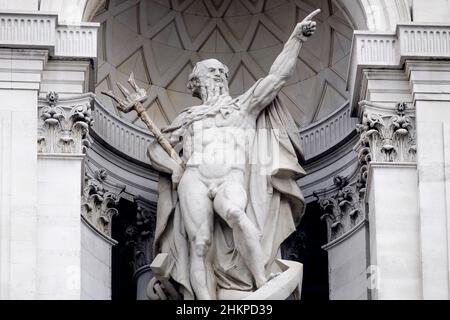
[229, 203]
[197, 211]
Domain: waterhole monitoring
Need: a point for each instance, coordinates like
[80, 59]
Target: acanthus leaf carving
[342, 208]
[140, 235]
[63, 127]
[384, 137]
[98, 204]
[389, 137]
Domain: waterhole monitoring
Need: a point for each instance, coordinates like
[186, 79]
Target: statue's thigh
[196, 207]
[230, 198]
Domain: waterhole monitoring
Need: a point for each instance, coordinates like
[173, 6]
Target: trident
[133, 101]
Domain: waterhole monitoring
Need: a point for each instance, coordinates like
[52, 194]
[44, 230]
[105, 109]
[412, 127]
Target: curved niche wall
[160, 41]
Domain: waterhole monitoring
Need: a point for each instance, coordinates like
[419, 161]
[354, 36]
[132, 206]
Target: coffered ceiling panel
[161, 40]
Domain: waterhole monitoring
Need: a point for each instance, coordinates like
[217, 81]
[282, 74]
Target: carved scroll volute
[63, 126]
[388, 133]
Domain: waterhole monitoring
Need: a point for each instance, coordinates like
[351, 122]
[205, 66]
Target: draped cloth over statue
[275, 202]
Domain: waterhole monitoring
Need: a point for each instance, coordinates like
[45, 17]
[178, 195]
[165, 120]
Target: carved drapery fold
[64, 125]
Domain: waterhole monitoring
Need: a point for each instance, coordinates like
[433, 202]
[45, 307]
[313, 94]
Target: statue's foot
[263, 281]
[260, 282]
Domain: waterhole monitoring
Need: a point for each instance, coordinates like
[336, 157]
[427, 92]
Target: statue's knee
[201, 247]
[234, 216]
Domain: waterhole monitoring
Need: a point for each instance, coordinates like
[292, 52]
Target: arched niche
[375, 15]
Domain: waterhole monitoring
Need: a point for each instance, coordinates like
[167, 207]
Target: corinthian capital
[64, 123]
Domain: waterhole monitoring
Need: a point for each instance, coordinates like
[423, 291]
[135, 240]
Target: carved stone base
[286, 285]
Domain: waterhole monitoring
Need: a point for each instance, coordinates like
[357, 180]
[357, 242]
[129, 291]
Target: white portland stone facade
[370, 97]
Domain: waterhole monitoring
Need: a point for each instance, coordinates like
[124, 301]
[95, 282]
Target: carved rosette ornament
[98, 204]
[64, 125]
[341, 208]
[385, 136]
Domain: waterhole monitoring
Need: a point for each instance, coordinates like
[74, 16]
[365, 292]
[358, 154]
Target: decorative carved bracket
[342, 210]
[98, 204]
[63, 126]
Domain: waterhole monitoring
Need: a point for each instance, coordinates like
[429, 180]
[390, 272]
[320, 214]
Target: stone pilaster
[387, 153]
[20, 76]
[100, 199]
[41, 152]
[140, 237]
[393, 80]
[343, 210]
[430, 83]
[387, 182]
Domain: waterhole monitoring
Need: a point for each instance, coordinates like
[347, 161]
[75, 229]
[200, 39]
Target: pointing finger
[312, 15]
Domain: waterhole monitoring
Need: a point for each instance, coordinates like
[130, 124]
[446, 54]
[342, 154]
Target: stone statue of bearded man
[223, 217]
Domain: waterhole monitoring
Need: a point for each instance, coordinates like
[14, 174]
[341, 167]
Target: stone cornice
[429, 80]
[21, 68]
[391, 50]
[42, 31]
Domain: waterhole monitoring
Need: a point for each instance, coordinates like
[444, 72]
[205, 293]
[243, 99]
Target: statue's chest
[228, 118]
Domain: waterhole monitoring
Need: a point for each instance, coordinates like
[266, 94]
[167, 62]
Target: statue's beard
[210, 90]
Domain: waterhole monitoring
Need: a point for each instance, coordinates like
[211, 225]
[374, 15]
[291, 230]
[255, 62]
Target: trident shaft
[133, 101]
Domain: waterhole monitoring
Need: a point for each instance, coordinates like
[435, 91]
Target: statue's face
[209, 79]
[214, 70]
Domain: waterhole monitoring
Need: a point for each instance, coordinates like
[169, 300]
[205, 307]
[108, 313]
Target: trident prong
[131, 98]
[133, 102]
[124, 90]
[121, 105]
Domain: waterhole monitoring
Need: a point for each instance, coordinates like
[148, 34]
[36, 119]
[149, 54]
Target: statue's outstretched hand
[303, 30]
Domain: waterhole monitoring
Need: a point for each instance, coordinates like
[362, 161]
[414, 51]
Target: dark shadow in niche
[304, 246]
[123, 284]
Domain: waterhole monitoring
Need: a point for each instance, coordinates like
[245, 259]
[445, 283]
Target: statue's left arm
[283, 66]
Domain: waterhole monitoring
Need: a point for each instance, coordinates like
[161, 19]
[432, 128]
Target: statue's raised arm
[284, 65]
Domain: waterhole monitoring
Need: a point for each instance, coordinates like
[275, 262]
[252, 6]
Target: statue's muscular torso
[217, 142]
